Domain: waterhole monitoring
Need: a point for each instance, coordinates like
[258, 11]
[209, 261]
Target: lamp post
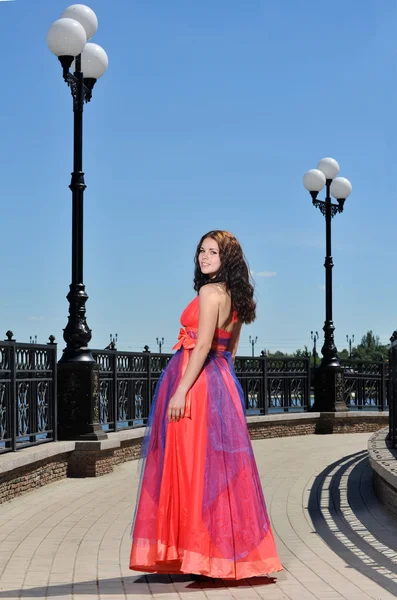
[160, 342]
[113, 341]
[350, 341]
[328, 381]
[78, 374]
[315, 337]
[253, 342]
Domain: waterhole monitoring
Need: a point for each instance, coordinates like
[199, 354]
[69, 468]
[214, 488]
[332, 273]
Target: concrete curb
[384, 465]
[34, 467]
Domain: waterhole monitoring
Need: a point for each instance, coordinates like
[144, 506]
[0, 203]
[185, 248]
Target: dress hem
[168, 570]
[177, 569]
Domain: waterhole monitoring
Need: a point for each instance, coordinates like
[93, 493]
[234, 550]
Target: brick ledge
[384, 465]
[116, 440]
[33, 467]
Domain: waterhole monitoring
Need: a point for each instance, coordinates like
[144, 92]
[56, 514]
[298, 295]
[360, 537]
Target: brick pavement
[70, 540]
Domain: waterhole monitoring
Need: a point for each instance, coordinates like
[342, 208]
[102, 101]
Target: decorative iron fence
[28, 391]
[274, 384]
[270, 385]
[28, 388]
[393, 391]
[366, 384]
[128, 381]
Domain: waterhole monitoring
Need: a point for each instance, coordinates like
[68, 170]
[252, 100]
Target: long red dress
[200, 506]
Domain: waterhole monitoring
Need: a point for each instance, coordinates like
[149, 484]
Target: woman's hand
[176, 406]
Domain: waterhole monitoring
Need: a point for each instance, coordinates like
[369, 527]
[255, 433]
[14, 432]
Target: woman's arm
[234, 339]
[209, 308]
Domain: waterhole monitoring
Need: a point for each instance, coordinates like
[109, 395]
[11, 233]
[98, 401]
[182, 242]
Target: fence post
[286, 385]
[264, 384]
[115, 394]
[147, 354]
[382, 402]
[54, 360]
[13, 391]
[360, 387]
[392, 388]
[32, 394]
[308, 384]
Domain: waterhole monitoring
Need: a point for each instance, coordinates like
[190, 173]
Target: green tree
[277, 354]
[370, 348]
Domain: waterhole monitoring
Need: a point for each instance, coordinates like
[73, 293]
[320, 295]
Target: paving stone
[334, 538]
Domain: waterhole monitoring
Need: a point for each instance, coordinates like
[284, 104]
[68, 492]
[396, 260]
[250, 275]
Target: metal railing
[28, 391]
[393, 392]
[274, 384]
[28, 388]
[366, 384]
[270, 385]
[128, 381]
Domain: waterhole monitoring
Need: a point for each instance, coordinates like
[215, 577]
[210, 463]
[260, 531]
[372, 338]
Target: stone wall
[260, 431]
[29, 477]
[384, 465]
[287, 424]
[34, 467]
[350, 422]
[386, 493]
[87, 462]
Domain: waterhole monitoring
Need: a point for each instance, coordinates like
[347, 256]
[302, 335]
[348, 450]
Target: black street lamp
[113, 341]
[253, 342]
[160, 342]
[314, 337]
[350, 341]
[78, 374]
[329, 380]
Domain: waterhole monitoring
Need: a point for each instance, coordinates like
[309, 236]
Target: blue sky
[208, 116]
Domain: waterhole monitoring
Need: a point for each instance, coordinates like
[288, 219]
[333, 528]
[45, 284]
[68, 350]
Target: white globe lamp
[83, 15]
[66, 37]
[329, 166]
[314, 181]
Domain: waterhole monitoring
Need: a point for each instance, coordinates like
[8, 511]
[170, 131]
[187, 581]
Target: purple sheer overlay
[233, 505]
[151, 460]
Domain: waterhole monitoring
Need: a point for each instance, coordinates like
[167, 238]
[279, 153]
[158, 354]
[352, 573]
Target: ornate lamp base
[329, 385]
[78, 401]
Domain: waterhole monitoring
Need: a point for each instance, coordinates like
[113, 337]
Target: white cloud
[266, 274]
[321, 286]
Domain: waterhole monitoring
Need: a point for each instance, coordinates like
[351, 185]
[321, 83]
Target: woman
[200, 507]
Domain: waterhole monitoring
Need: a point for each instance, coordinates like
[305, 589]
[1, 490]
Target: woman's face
[209, 259]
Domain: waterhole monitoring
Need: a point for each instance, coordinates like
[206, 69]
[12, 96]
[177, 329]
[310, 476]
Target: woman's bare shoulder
[213, 290]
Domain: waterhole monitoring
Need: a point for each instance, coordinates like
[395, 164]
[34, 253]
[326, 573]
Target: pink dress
[200, 506]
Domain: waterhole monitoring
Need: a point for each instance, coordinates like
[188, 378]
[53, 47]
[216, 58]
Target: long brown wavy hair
[234, 273]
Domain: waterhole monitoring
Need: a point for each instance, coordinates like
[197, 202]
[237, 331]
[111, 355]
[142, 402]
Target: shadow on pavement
[139, 585]
[345, 523]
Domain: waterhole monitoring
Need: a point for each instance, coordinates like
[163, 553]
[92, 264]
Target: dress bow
[184, 340]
